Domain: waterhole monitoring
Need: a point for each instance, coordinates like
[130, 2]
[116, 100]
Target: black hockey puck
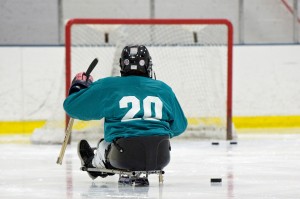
[216, 180]
[215, 143]
[233, 142]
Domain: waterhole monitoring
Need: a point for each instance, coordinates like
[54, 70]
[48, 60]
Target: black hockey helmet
[136, 60]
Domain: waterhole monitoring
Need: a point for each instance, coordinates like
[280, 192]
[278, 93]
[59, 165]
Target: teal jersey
[132, 106]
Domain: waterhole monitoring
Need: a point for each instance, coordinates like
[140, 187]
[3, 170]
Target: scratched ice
[258, 166]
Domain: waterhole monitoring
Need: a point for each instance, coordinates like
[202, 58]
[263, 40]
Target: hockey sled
[137, 157]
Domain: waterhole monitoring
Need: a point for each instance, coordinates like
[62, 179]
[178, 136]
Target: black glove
[80, 82]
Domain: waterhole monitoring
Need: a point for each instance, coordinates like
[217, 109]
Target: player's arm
[84, 102]
[179, 122]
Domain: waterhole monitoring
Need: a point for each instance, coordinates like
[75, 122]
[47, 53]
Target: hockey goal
[193, 56]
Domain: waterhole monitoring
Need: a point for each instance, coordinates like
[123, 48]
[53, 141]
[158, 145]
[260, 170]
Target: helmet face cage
[136, 60]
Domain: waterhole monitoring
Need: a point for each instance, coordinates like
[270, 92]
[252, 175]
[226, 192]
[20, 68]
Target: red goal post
[160, 22]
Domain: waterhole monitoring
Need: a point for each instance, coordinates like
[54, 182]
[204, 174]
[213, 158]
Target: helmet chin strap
[153, 75]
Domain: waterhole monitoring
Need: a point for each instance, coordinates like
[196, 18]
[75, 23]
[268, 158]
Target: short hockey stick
[71, 121]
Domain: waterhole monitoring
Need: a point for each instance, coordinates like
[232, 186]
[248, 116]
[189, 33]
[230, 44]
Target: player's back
[135, 105]
[133, 96]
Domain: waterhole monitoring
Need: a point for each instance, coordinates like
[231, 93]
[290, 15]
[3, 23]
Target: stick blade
[59, 161]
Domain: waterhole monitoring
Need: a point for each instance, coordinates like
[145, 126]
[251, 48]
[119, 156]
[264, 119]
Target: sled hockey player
[140, 115]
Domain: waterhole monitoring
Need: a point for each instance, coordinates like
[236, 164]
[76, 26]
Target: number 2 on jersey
[136, 107]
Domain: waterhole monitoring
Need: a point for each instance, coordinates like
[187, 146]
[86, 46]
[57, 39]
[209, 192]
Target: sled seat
[147, 153]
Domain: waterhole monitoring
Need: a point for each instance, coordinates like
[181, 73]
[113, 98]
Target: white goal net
[194, 57]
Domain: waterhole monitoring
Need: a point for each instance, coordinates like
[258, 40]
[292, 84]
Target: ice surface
[256, 167]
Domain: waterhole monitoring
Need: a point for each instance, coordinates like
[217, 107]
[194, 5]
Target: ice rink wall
[266, 79]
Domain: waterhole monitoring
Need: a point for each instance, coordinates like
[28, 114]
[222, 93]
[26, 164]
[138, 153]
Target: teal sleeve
[179, 123]
[85, 104]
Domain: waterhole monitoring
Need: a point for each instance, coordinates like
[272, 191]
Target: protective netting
[191, 58]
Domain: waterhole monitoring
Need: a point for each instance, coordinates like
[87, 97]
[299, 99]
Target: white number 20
[135, 108]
